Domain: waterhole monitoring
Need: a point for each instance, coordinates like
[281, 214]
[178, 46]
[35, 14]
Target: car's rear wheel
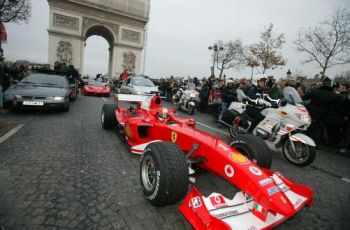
[108, 119]
[164, 173]
[254, 148]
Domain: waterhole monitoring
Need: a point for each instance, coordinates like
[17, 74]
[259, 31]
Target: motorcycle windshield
[291, 95]
[191, 86]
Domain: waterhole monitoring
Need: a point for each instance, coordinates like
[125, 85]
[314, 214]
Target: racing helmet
[229, 81]
[162, 114]
[259, 77]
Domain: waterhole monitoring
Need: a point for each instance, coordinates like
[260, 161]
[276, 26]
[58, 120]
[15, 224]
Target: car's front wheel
[254, 148]
[164, 173]
[108, 119]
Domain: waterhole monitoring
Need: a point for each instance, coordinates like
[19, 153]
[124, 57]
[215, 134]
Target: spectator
[321, 101]
[204, 96]
[124, 75]
[228, 96]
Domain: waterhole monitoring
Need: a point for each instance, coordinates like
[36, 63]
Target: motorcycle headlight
[58, 98]
[305, 117]
[192, 95]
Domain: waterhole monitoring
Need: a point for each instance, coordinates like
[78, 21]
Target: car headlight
[18, 96]
[58, 98]
[138, 92]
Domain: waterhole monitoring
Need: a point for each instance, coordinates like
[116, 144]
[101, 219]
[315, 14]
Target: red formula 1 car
[172, 148]
[96, 88]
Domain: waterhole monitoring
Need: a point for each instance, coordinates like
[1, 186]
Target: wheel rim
[301, 154]
[148, 171]
[103, 117]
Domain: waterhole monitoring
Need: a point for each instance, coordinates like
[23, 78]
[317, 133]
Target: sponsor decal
[297, 203]
[259, 211]
[229, 171]
[128, 131]
[239, 158]
[265, 181]
[196, 202]
[255, 170]
[226, 214]
[173, 136]
[273, 190]
[218, 201]
[151, 197]
[252, 228]
[283, 199]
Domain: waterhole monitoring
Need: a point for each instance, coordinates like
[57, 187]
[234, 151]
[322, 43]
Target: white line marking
[104, 99]
[346, 179]
[10, 133]
[209, 127]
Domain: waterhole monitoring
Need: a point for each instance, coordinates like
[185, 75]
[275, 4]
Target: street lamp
[216, 49]
[289, 74]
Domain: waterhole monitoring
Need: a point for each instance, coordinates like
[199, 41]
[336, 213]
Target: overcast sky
[180, 31]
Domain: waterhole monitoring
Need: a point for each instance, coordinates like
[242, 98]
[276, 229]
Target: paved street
[63, 171]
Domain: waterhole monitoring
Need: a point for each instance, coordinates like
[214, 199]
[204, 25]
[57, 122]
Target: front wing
[241, 212]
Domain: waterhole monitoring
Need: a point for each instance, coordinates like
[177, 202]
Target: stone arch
[121, 23]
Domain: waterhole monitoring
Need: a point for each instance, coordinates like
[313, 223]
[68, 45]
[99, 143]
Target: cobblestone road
[63, 171]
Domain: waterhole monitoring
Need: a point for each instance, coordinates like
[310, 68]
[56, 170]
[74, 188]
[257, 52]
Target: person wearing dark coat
[228, 95]
[204, 96]
[321, 102]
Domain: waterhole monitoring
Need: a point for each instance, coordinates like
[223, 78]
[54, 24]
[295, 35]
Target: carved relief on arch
[88, 22]
[129, 60]
[64, 52]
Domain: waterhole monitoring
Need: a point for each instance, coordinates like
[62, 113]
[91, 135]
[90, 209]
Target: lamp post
[216, 49]
[289, 74]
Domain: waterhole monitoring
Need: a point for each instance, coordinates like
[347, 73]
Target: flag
[3, 36]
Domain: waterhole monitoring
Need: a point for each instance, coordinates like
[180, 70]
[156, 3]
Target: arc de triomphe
[121, 22]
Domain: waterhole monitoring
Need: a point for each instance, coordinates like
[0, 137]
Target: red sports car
[173, 149]
[96, 88]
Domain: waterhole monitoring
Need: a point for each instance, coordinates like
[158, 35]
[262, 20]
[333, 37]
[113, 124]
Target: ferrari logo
[173, 136]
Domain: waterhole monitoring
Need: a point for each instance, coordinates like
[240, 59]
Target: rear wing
[130, 98]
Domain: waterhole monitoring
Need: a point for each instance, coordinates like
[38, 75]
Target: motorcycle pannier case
[229, 116]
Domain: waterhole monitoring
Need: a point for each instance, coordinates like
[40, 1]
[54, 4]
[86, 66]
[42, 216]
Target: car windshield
[191, 86]
[139, 81]
[96, 83]
[46, 79]
[292, 95]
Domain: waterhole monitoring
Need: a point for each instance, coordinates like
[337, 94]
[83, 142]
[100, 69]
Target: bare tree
[327, 44]
[266, 50]
[250, 60]
[232, 55]
[15, 10]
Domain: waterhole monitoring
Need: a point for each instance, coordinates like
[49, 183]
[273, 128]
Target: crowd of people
[327, 102]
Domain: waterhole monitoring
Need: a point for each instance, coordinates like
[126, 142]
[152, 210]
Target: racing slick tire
[164, 173]
[305, 156]
[108, 119]
[254, 148]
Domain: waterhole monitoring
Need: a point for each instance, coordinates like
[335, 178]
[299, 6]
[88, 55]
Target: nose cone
[281, 204]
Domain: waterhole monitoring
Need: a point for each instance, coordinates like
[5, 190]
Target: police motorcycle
[188, 98]
[281, 125]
